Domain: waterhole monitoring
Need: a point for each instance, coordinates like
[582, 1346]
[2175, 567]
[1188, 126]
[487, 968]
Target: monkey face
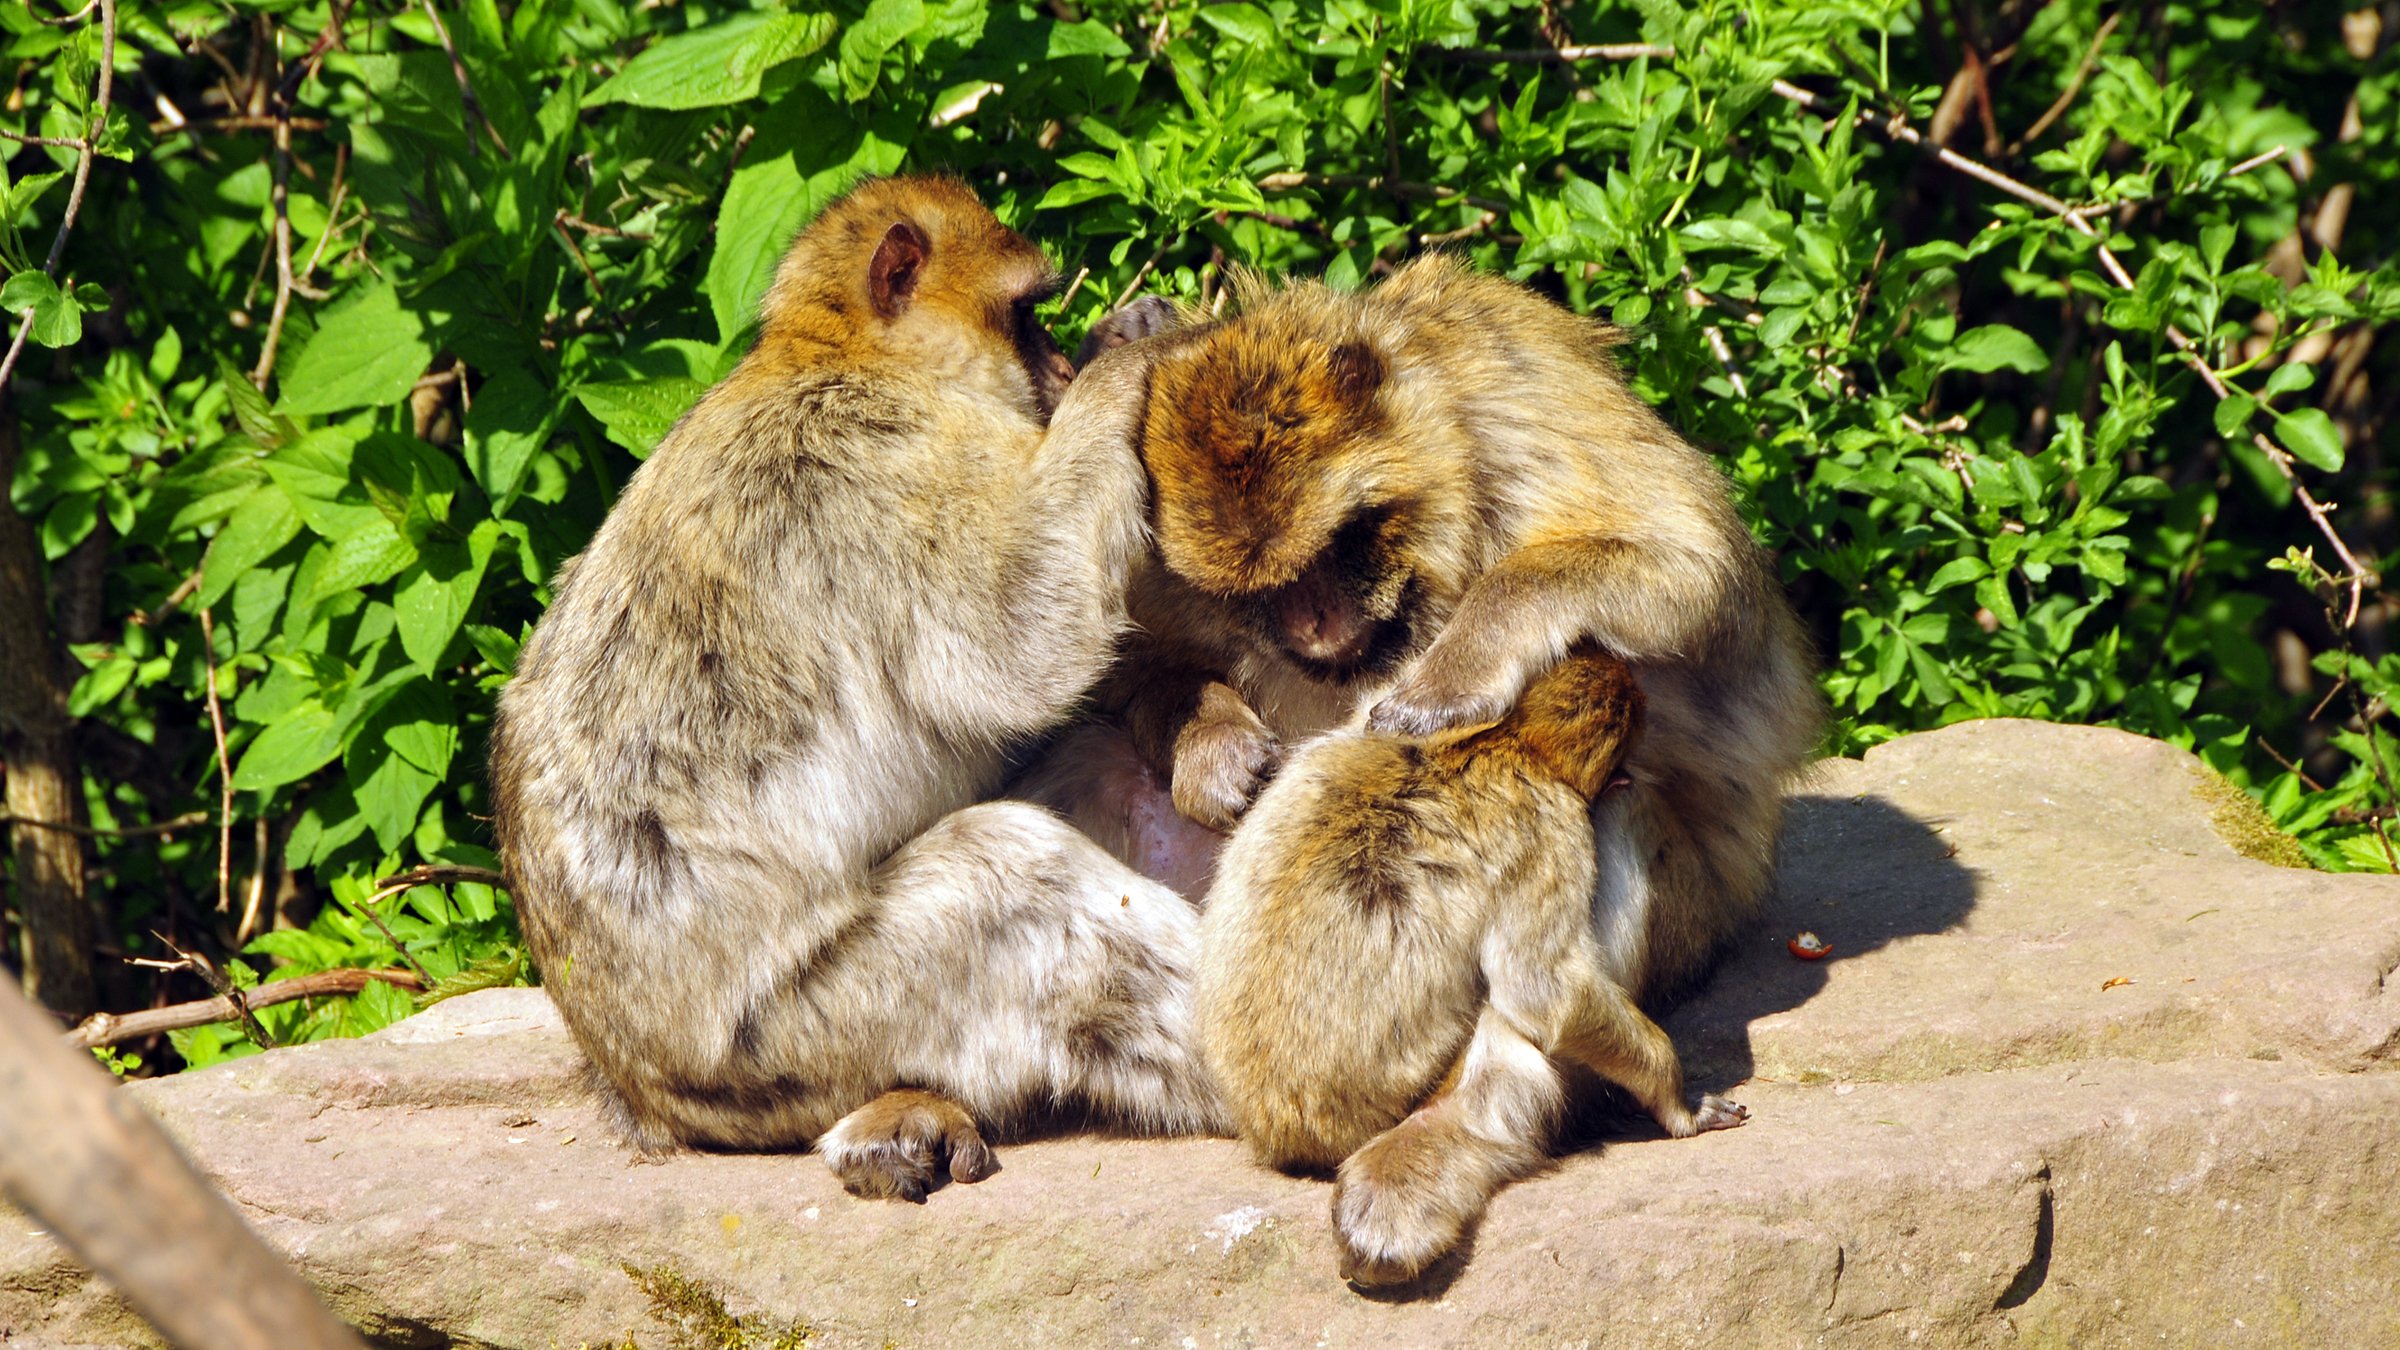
[1268, 452]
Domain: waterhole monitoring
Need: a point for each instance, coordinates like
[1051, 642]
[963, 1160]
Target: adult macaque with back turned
[735, 776]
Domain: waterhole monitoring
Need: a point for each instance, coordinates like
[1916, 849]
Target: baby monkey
[1399, 948]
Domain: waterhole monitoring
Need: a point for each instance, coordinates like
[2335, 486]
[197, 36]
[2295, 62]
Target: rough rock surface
[2075, 1072]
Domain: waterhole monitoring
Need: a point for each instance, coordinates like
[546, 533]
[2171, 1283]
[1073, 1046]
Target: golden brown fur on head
[1577, 722]
[898, 270]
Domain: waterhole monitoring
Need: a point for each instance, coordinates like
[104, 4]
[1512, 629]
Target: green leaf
[298, 744]
[885, 25]
[433, 596]
[57, 318]
[1088, 38]
[1995, 346]
[512, 417]
[2310, 435]
[498, 648]
[1992, 594]
[638, 414]
[264, 522]
[1957, 571]
[367, 353]
[1242, 23]
[2233, 415]
[716, 64]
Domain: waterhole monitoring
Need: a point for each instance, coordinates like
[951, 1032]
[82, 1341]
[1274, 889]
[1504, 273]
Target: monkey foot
[1716, 1113]
[1397, 1211]
[896, 1147]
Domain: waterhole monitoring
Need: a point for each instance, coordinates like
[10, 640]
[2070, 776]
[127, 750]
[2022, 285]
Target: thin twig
[2262, 157]
[593, 227]
[333, 211]
[581, 261]
[2310, 783]
[60, 142]
[1287, 181]
[83, 176]
[216, 722]
[252, 903]
[466, 89]
[2083, 71]
[69, 20]
[1606, 51]
[189, 820]
[2358, 575]
[1067, 297]
[280, 196]
[1484, 220]
[202, 126]
[441, 874]
[1135, 285]
[117, 1028]
[382, 893]
[236, 1000]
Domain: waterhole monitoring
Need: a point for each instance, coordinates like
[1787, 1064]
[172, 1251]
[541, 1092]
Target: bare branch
[2066, 98]
[1434, 192]
[83, 177]
[1606, 51]
[216, 722]
[189, 820]
[118, 1028]
[2358, 575]
[466, 88]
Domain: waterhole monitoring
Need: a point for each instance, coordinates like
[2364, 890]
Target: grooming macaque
[735, 774]
[1406, 503]
[1396, 908]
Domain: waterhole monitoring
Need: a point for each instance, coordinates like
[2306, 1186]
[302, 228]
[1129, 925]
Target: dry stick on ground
[86, 1162]
[466, 89]
[2358, 574]
[118, 1028]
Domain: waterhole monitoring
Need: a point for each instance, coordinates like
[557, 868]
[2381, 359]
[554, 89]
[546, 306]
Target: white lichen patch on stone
[1233, 1227]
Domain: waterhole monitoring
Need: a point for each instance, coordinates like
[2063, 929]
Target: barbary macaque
[738, 779]
[1402, 505]
[1394, 910]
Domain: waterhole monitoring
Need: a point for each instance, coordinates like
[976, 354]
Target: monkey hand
[895, 1147]
[1449, 686]
[1149, 315]
[1223, 756]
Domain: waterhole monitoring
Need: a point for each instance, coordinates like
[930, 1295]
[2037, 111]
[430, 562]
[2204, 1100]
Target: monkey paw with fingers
[899, 1146]
[1223, 757]
[1716, 1113]
[1448, 687]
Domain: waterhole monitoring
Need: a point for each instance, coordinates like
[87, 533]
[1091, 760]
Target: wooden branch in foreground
[83, 1158]
[117, 1028]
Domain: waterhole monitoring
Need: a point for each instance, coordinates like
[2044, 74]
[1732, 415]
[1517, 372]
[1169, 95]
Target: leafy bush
[371, 308]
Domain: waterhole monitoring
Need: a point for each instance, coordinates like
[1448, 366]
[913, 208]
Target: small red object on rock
[1809, 947]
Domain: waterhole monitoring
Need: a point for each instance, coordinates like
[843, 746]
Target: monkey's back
[1352, 903]
[668, 764]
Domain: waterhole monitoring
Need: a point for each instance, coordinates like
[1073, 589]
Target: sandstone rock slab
[1959, 1136]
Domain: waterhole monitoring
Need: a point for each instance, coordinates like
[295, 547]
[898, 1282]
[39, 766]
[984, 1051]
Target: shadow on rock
[1858, 872]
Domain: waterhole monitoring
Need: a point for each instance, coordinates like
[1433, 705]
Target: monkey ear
[893, 272]
[1357, 371]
